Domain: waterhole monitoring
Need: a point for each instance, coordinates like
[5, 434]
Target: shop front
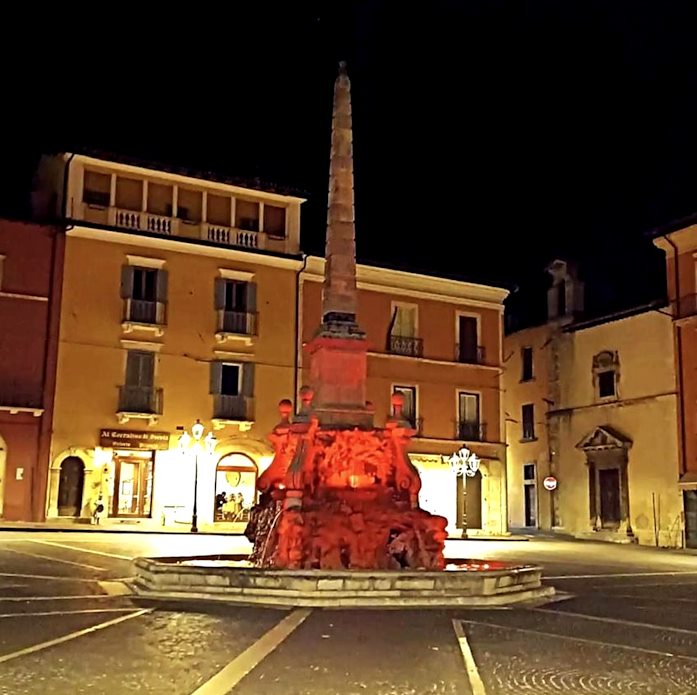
[147, 479]
[472, 504]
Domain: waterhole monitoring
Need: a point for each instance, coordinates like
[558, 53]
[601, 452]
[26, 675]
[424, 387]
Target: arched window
[235, 487]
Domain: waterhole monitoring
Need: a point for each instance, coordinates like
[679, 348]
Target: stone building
[591, 406]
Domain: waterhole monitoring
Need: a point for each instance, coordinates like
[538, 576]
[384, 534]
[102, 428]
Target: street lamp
[464, 463]
[197, 443]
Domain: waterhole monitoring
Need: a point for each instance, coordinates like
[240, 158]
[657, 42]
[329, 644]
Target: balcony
[18, 398]
[471, 431]
[139, 402]
[237, 410]
[469, 354]
[143, 313]
[143, 221]
[234, 325]
[685, 307]
[229, 236]
[406, 345]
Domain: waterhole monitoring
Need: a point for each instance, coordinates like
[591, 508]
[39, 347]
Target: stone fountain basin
[228, 578]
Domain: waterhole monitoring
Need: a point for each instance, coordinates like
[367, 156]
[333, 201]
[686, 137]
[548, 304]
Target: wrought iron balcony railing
[406, 345]
[144, 311]
[240, 322]
[469, 354]
[16, 395]
[240, 408]
[145, 400]
[471, 431]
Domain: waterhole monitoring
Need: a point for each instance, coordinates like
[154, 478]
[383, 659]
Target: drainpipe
[298, 337]
[66, 176]
[679, 362]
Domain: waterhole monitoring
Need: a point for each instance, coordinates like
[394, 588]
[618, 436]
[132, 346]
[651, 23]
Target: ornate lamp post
[464, 463]
[197, 443]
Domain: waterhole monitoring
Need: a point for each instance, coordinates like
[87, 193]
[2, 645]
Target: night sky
[489, 137]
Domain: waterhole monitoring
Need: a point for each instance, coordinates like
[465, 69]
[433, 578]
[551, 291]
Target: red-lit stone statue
[341, 493]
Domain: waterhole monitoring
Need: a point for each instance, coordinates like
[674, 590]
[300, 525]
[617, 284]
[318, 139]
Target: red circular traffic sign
[550, 483]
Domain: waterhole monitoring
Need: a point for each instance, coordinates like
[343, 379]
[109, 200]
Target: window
[467, 346]
[235, 301]
[138, 394]
[140, 368]
[526, 359]
[528, 418]
[409, 408]
[145, 293]
[96, 189]
[402, 338]
[232, 386]
[606, 370]
[469, 428]
[275, 221]
[606, 384]
[529, 472]
[247, 215]
[230, 379]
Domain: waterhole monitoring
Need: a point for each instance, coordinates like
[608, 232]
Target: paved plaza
[624, 623]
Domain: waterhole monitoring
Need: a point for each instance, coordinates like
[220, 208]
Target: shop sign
[550, 483]
[126, 439]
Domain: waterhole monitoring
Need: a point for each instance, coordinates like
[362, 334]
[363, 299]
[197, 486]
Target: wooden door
[609, 481]
[70, 486]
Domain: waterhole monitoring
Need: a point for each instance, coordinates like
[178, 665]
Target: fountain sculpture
[341, 493]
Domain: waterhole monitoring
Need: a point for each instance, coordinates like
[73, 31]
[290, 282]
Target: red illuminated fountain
[338, 523]
[341, 493]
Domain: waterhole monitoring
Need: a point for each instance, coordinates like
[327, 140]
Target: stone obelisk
[338, 352]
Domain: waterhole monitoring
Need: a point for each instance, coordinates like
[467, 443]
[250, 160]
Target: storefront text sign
[125, 439]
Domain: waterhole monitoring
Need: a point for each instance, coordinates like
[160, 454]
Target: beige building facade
[592, 407]
[179, 298]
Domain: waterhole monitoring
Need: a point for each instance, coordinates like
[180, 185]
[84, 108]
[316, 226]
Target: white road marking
[475, 679]
[229, 676]
[624, 574]
[45, 576]
[55, 559]
[19, 599]
[556, 635]
[72, 635]
[115, 588]
[75, 612]
[615, 621]
[82, 550]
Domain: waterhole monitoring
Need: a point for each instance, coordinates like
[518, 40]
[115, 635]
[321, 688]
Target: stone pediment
[604, 437]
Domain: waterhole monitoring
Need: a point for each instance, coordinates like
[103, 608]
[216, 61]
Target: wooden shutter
[161, 288]
[127, 282]
[251, 297]
[140, 368]
[248, 379]
[219, 296]
[216, 377]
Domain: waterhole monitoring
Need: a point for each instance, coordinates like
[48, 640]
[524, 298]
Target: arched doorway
[235, 487]
[70, 486]
[469, 501]
[3, 465]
